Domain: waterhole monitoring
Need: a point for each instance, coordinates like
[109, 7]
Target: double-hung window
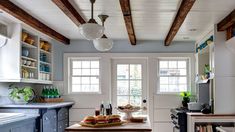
[84, 75]
[173, 75]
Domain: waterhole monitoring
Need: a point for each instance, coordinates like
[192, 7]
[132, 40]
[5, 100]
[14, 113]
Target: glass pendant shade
[103, 44]
[91, 31]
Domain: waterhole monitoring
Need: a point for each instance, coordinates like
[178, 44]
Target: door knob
[144, 100]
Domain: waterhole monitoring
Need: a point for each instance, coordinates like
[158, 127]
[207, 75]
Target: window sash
[90, 84]
[177, 76]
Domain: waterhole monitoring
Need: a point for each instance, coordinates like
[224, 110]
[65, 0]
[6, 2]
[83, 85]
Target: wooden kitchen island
[127, 127]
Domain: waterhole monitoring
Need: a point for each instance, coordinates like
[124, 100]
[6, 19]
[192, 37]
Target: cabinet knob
[46, 118]
[60, 126]
[54, 116]
[54, 130]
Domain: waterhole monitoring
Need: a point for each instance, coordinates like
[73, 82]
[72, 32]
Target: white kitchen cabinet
[16, 66]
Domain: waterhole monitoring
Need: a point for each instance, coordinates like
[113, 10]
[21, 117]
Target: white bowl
[28, 63]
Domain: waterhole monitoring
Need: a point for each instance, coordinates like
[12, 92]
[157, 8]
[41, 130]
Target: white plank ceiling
[152, 18]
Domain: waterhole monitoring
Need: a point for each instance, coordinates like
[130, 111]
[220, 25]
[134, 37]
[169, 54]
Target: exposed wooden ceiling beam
[183, 11]
[25, 17]
[70, 11]
[126, 10]
[227, 22]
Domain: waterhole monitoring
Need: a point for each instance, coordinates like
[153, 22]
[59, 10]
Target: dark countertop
[38, 105]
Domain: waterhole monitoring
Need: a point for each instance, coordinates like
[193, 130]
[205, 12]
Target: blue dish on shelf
[25, 52]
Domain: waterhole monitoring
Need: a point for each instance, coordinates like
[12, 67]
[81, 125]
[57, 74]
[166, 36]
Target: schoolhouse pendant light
[91, 30]
[103, 43]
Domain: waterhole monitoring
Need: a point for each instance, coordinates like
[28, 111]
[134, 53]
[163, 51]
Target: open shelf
[45, 72]
[26, 45]
[45, 63]
[28, 58]
[31, 67]
[44, 51]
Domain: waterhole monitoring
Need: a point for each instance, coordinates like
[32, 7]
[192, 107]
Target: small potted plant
[186, 98]
[21, 95]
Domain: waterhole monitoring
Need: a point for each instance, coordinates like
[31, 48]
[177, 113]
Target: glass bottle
[102, 108]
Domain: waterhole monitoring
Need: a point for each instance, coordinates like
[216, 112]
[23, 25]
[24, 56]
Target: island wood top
[134, 127]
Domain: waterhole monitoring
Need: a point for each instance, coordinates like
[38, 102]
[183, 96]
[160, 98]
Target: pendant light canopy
[103, 43]
[91, 30]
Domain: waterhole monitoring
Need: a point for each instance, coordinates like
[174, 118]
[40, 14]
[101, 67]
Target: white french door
[129, 82]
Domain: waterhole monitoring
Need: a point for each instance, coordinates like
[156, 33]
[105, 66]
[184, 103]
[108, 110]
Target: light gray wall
[120, 46]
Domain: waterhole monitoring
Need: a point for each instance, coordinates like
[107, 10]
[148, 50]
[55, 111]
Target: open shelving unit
[36, 65]
[45, 60]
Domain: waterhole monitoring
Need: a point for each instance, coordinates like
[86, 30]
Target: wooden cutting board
[102, 125]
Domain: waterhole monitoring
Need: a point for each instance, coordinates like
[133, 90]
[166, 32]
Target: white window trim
[152, 63]
[67, 71]
[189, 74]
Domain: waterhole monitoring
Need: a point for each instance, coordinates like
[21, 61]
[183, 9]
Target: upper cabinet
[27, 57]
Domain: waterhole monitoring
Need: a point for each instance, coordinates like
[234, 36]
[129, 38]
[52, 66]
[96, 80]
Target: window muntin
[85, 76]
[173, 75]
[129, 84]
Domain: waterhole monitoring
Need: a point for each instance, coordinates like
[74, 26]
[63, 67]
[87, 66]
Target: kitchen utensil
[25, 52]
[194, 106]
[28, 63]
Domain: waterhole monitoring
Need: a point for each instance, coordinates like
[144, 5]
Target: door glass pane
[135, 88]
[129, 84]
[122, 87]
[135, 71]
[122, 100]
[135, 100]
[122, 71]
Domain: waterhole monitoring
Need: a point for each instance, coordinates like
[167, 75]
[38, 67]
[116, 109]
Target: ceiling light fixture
[103, 43]
[91, 30]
